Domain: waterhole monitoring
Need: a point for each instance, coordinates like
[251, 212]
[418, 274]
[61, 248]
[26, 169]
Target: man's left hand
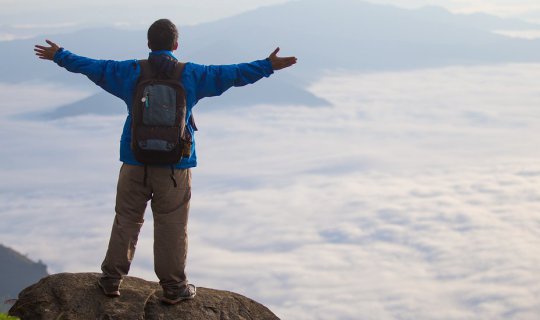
[279, 63]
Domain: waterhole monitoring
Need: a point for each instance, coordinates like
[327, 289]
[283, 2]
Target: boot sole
[175, 301]
[110, 294]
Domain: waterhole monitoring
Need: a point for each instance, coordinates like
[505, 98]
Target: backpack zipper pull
[145, 100]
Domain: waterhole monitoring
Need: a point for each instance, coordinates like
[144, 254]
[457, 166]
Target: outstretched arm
[279, 63]
[214, 80]
[113, 76]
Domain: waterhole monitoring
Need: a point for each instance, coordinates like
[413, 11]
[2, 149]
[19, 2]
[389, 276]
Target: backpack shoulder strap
[146, 70]
[178, 69]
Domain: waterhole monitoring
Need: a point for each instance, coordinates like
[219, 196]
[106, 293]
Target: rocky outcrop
[77, 296]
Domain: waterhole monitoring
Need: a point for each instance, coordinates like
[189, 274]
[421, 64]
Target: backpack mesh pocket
[157, 139]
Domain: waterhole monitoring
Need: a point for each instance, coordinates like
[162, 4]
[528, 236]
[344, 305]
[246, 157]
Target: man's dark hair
[162, 35]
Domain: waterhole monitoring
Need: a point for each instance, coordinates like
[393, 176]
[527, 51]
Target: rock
[67, 296]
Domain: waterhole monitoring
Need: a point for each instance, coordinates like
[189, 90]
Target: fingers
[284, 62]
[289, 59]
[52, 44]
[44, 54]
[41, 53]
[273, 54]
[41, 50]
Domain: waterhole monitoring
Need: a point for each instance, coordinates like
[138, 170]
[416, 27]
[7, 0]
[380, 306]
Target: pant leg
[131, 199]
[170, 207]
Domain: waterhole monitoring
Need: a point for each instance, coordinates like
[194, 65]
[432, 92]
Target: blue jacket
[119, 78]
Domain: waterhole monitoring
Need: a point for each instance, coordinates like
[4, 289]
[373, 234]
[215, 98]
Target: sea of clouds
[415, 196]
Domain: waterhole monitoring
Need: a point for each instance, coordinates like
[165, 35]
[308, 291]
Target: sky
[195, 11]
[414, 196]
[32, 17]
[503, 8]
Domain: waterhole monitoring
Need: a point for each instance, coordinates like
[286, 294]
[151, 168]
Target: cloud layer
[415, 197]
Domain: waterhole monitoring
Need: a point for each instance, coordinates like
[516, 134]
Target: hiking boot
[109, 290]
[173, 296]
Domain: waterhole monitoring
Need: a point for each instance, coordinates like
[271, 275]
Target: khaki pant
[170, 207]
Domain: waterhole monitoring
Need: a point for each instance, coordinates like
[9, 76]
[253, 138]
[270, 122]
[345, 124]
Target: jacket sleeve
[213, 80]
[113, 76]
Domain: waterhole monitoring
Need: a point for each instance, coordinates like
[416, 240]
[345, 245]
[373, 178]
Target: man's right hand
[46, 53]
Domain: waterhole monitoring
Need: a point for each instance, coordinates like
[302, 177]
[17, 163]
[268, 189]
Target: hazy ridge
[17, 272]
[326, 36]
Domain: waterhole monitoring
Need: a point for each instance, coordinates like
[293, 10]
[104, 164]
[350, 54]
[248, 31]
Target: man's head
[162, 35]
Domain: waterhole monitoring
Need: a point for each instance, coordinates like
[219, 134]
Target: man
[137, 183]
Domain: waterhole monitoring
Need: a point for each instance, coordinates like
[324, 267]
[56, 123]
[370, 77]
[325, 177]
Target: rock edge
[68, 296]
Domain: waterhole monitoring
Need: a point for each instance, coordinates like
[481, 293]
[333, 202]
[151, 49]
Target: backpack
[159, 134]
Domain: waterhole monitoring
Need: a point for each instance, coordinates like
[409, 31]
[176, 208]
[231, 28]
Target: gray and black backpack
[159, 132]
